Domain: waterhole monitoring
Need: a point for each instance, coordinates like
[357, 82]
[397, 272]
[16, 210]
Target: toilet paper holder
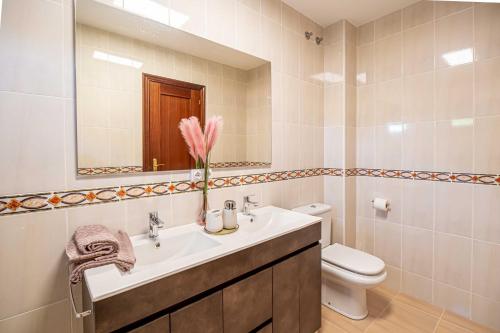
[388, 205]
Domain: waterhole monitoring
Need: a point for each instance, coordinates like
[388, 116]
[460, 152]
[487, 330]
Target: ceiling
[358, 12]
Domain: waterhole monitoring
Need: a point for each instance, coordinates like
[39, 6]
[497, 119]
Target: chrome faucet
[249, 203]
[154, 225]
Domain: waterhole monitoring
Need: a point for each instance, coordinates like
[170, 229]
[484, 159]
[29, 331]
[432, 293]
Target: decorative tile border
[26, 203]
[138, 168]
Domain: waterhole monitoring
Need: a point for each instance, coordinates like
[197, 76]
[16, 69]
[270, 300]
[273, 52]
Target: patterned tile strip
[138, 168]
[26, 203]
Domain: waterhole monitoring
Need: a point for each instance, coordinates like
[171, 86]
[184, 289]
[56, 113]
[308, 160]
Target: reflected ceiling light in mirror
[459, 57]
[464, 122]
[396, 128]
[328, 77]
[116, 59]
[154, 10]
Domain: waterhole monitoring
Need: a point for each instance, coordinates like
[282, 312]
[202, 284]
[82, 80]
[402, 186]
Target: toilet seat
[352, 260]
[338, 274]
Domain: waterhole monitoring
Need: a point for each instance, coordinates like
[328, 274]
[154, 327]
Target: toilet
[346, 273]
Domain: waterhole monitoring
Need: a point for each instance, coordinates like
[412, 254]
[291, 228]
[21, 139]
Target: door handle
[156, 165]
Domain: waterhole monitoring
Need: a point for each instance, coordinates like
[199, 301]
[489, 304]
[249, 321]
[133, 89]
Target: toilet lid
[353, 260]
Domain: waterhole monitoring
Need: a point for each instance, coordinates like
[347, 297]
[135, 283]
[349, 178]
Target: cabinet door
[248, 303]
[310, 289]
[160, 325]
[286, 296]
[204, 316]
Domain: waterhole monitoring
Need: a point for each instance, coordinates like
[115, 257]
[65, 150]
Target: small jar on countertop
[229, 216]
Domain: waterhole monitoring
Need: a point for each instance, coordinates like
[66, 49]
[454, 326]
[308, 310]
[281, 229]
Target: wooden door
[165, 103]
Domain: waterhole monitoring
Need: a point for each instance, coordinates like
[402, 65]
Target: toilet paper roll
[381, 204]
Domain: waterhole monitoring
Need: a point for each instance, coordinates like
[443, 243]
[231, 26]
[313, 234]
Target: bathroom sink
[171, 248]
[267, 219]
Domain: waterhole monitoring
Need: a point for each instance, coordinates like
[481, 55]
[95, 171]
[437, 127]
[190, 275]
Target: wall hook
[308, 34]
[318, 40]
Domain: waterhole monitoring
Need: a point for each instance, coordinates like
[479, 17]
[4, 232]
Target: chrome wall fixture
[318, 40]
[308, 34]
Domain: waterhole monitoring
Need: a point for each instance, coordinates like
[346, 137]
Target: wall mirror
[138, 74]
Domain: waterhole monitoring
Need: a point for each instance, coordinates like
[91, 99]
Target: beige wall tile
[51, 318]
[364, 234]
[487, 25]
[485, 311]
[453, 260]
[365, 151]
[417, 286]
[272, 10]
[334, 63]
[365, 33]
[365, 64]
[33, 266]
[333, 105]
[291, 19]
[454, 99]
[388, 146]
[418, 97]
[486, 270]
[486, 154]
[418, 146]
[450, 7]
[248, 29]
[419, 204]
[365, 105]
[454, 33]
[17, 59]
[452, 299]
[454, 208]
[365, 192]
[419, 13]
[37, 118]
[418, 49]
[388, 25]
[387, 242]
[388, 58]
[393, 279]
[418, 251]
[454, 146]
[487, 81]
[486, 213]
[388, 101]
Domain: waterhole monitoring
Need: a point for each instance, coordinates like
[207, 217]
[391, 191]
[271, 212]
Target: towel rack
[77, 314]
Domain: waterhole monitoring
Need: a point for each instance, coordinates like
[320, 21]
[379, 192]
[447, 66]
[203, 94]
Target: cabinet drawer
[248, 303]
[204, 316]
[160, 325]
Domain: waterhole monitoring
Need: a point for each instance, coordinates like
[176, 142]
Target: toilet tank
[320, 210]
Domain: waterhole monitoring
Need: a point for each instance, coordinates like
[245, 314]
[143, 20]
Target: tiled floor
[390, 312]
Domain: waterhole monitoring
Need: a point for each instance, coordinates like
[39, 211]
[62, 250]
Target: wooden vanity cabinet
[274, 286]
[203, 316]
[297, 293]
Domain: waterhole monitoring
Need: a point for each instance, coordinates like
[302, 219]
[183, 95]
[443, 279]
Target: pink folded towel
[91, 241]
[124, 258]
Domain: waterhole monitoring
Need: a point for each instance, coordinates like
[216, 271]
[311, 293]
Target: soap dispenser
[229, 216]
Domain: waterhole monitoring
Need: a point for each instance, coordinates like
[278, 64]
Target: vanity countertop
[187, 246]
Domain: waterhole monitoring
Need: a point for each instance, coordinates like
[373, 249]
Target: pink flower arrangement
[200, 144]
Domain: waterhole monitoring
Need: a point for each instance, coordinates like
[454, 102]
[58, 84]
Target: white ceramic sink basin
[267, 219]
[171, 248]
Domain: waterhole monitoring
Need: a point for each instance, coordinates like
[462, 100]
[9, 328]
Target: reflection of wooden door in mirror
[165, 103]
